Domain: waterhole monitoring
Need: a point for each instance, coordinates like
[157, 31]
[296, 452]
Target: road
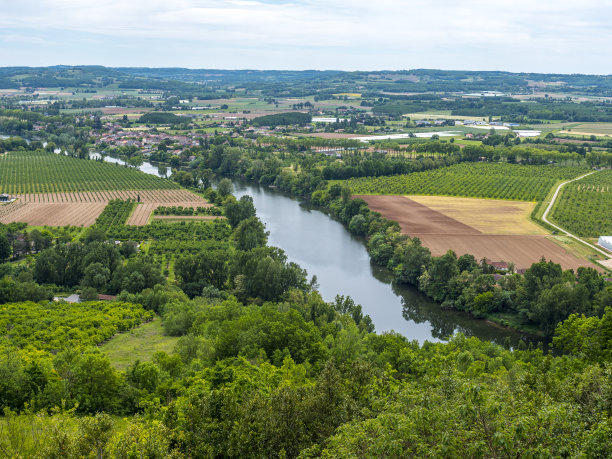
[552, 202]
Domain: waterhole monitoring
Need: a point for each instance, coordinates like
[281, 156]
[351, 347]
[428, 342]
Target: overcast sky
[520, 35]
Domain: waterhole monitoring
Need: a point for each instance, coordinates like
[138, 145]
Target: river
[325, 248]
[340, 261]
[146, 166]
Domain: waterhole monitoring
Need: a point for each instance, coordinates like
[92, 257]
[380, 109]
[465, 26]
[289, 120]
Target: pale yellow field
[596, 129]
[486, 215]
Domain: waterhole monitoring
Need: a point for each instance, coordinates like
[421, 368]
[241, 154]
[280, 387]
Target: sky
[560, 36]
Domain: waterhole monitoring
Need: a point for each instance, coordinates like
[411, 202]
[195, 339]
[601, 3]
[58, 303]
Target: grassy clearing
[577, 249]
[138, 344]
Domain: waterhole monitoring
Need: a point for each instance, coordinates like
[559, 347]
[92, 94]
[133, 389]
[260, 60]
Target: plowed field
[82, 208]
[440, 233]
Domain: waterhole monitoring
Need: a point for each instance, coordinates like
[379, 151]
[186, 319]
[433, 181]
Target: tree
[205, 176]
[225, 187]
[185, 179]
[250, 233]
[5, 248]
[42, 240]
[89, 294]
[359, 225]
[96, 276]
[199, 270]
[589, 336]
[236, 211]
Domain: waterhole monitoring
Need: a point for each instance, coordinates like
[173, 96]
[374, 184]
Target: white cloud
[351, 34]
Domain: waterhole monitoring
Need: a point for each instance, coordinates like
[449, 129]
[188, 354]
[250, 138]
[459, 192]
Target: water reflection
[146, 167]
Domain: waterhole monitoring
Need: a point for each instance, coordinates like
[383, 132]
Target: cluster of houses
[504, 267]
[146, 140]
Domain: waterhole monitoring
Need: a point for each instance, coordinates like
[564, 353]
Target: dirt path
[552, 203]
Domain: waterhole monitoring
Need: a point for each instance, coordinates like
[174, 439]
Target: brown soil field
[82, 208]
[522, 250]
[489, 216]
[415, 218]
[440, 233]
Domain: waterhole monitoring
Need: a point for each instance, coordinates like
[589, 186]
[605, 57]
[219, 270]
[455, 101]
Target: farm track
[82, 208]
[552, 203]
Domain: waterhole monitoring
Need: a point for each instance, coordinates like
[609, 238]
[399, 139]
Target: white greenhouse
[605, 242]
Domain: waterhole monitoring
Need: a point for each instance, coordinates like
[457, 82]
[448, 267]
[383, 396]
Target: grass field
[477, 180]
[596, 129]
[24, 172]
[138, 344]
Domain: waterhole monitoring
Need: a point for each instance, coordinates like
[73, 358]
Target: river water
[325, 248]
[340, 261]
[144, 167]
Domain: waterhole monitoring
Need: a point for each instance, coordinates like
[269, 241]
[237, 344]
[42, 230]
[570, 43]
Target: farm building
[605, 242]
[4, 197]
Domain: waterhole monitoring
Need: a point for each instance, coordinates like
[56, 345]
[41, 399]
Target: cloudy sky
[520, 35]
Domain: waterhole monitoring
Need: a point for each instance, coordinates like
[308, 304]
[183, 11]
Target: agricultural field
[596, 129]
[25, 172]
[584, 207]
[504, 234]
[55, 326]
[83, 208]
[486, 215]
[478, 180]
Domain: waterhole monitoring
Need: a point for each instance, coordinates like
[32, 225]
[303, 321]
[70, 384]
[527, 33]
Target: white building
[605, 242]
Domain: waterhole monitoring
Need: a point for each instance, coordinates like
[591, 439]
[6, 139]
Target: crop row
[217, 229]
[42, 172]
[114, 214]
[585, 206]
[478, 180]
[180, 210]
[56, 326]
[177, 247]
